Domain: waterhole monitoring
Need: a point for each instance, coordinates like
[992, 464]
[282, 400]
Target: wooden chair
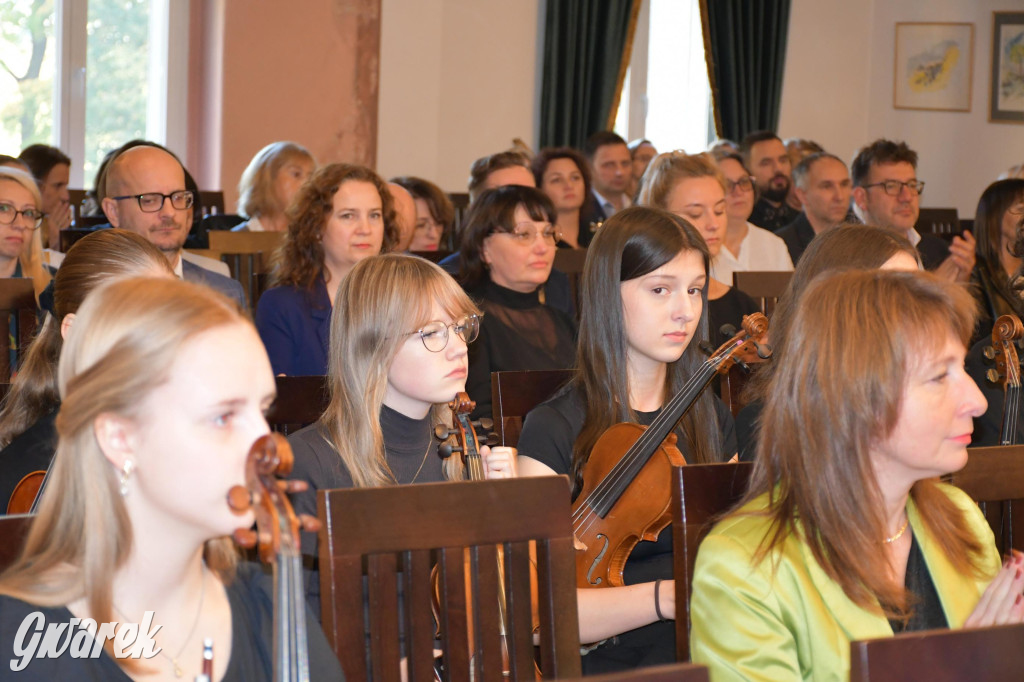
[571, 261]
[13, 531]
[700, 494]
[675, 672]
[18, 309]
[460, 202]
[300, 402]
[513, 394]
[212, 201]
[993, 654]
[994, 477]
[85, 225]
[376, 548]
[942, 222]
[432, 256]
[248, 256]
[765, 287]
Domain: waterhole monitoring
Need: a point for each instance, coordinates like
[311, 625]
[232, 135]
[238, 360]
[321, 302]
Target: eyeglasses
[9, 214]
[151, 202]
[894, 187]
[524, 234]
[434, 335]
[746, 183]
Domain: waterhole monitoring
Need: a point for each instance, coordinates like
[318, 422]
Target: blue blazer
[225, 285]
[295, 325]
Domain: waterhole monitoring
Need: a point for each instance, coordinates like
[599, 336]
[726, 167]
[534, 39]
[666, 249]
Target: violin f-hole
[597, 560]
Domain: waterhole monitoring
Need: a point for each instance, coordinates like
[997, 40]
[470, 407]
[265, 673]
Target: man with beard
[887, 193]
[146, 194]
[767, 159]
[823, 186]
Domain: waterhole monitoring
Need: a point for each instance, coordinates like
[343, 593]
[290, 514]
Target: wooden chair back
[13, 531]
[674, 672]
[248, 255]
[700, 494]
[18, 315]
[377, 547]
[460, 202]
[993, 654]
[571, 261]
[212, 201]
[994, 477]
[942, 222]
[432, 256]
[513, 394]
[85, 225]
[300, 402]
[765, 287]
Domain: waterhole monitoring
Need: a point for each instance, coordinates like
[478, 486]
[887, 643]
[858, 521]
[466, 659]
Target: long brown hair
[93, 260]
[630, 244]
[837, 392]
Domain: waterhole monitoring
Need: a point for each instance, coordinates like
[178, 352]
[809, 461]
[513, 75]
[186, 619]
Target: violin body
[641, 513]
[24, 496]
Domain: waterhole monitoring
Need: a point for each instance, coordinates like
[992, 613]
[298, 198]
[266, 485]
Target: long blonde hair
[379, 301]
[125, 340]
[31, 257]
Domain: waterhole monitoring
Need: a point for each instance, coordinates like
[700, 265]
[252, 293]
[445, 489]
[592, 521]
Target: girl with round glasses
[508, 248]
[400, 331]
[21, 245]
[644, 296]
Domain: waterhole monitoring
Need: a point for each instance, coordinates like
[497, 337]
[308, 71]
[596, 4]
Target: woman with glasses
[645, 288]
[745, 246]
[343, 214]
[692, 187]
[508, 248]
[400, 331]
[21, 217]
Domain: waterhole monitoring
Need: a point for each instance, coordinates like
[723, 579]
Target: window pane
[116, 77]
[26, 74]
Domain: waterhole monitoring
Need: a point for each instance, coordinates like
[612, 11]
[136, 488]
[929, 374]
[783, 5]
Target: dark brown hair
[438, 203]
[548, 154]
[879, 152]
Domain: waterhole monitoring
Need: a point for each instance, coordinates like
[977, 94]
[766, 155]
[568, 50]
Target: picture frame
[1006, 91]
[933, 66]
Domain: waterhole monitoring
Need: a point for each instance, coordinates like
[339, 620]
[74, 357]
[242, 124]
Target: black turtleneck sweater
[518, 332]
[411, 453]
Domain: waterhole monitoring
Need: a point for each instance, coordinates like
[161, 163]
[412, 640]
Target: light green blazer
[797, 624]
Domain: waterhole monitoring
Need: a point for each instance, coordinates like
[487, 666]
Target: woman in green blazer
[846, 533]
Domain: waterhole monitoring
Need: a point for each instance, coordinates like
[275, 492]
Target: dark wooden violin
[1007, 330]
[626, 482]
[278, 538]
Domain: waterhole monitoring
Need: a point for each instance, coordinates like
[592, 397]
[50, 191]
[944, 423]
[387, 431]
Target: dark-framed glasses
[526, 233]
[9, 215]
[894, 187]
[746, 183]
[434, 335]
[151, 202]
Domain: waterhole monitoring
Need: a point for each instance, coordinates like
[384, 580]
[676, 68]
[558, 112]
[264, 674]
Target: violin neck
[1011, 408]
[291, 658]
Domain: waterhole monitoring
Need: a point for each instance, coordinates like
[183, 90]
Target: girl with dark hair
[435, 214]
[846, 532]
[564, 175]
[342, 215]
[996, 223]
[644, 299]
[508, 248]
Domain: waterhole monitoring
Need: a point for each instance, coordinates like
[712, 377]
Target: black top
[748, 429]
[991, 288]
[988, 427]
[409, 449]
[252, 624]
[557, 289]
[32, 450]
[773, 218]
[797, 235]
[548, 435]
[927, 613]
[517, 332]
[933, 251]
[728, 309]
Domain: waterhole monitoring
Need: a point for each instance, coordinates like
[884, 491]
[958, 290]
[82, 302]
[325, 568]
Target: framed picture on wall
[1006, 103]
[934, 63]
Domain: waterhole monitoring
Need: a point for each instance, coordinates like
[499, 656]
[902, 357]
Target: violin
[626, 492]
[277, 535]
[1007, 330]
[25, 496]
[468, 445]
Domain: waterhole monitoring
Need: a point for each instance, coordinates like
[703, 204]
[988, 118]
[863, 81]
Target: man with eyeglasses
[887, 193]
[146, 194]
[823, 186]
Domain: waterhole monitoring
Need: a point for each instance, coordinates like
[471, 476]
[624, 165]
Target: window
[27, 68]
[666, 97]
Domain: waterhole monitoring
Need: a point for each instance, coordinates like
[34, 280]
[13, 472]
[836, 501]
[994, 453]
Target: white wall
[457, 81]
[838, 90]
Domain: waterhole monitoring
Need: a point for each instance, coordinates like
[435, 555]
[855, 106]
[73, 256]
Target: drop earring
[126, 473]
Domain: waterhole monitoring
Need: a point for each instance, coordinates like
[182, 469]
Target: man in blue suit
[146, 194]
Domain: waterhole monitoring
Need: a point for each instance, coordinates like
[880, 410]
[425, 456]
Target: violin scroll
[745, 347]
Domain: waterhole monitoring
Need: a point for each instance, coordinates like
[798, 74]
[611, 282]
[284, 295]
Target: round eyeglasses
[151, 202]
[9, 214]
[434, 335]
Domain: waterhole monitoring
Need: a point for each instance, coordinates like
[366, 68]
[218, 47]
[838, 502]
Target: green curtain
[748, 55]
[584, 42]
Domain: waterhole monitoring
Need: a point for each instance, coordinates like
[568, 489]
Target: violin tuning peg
[239, 498]
[705, 347]
[441, 432]
[309, 523]
[491, 439]
[764, 351]
[989, 352]
[727, 331]
[484, 423]
[294, 486]
[993, 376]
[245, 537]
[444, 450]
[742, 365]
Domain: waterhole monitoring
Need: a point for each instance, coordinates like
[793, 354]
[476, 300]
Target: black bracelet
[657, 600]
